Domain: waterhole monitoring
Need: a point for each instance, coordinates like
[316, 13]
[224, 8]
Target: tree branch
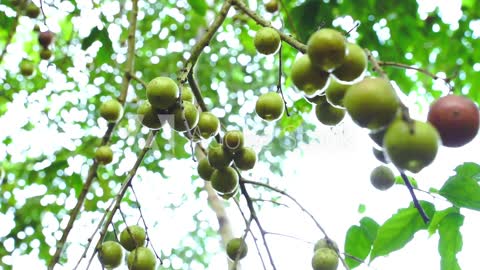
[11, 33]
[419, 207]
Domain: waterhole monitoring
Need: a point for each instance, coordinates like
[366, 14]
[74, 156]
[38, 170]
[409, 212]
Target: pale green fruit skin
[208, 125]
[162, 92]
[136, 239]
[324, 243]
[269, 106]
[245, 159]
[267, 40]
[224, 180]
[104, 154]
[306, 77]
[327, 48]
[233, 141]
[110, 254]
[318, 99]
[218, 157]
[187, 94]
[335, 92]
[111, 110]
[411, 152]
[325, 259]
[204, 169]
[329, 115]
[235, 246]
[148, 116]
[26, 68]
[372, 103]
[382, 178]
[191, 115]
[354, 65]
[141, 258]
[229, 195]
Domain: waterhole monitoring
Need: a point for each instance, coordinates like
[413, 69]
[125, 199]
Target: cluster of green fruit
[325, 255]
[27, 6]
[217, 166]
[132, 239]
[236, 249]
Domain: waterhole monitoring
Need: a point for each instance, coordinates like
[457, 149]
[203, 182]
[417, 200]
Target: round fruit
[187, 94]
[306, 77]
[270, 106]
[327, 48]
[148, 116]
[189, 113]
[224, 180]
[32, 10]
[382, 178]
[411, 146]
[208, 125]
[329, 115]
[245, 159]
[267, 40]
[237, 247]
[132, 237]
[45, 38]
[162, 92]
[233, 141]
[45, 54]
[104, 154]
[229, 195]
[204, 169]
[271, 6]
[141, 258]
[218, 157]
[380, 155]
[318, 99]
[325, 243]
[377, 136]
[456, 118]
[111, 110]
[325, 259]
[372, 103]
[354, 65]
[26, 67]
[336, 92]
[110, 254]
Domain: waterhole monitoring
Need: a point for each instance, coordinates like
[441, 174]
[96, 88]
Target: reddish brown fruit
[456, 118]
[45, 38]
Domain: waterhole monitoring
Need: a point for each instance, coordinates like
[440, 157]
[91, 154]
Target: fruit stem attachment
[279, 84]
[419, 207]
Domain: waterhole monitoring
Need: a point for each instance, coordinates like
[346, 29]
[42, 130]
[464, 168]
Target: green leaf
[397, 231]
[450, 242]
[199, 6]
[361, 208]
[370, 226]
[106, 50]
[469, 169]
[357, 244]
[399, 181]
[438, 217]
[462, 189]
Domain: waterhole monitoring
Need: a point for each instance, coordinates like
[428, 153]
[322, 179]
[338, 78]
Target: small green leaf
[397, 231]
[450, 242]
[361, 208]
[370, 226]
[199, 6]
[462, 192]
[357, 244]
[438, 217]
[468, 169]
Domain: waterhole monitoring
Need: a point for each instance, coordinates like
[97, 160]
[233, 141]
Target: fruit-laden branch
[11, 33]
[106, 138]
[422, 213]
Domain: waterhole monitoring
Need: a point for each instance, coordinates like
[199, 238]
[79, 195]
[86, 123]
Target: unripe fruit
[245, 159]
[325, 259]
[141, 258]
[306, 77]
[325, 243]
[456, 118]
[204, 169]
[133, 237]
[149, 117]
[45, 54]
[315, 100]
[26, 68]
[335, 92]
[380, 155]
[233, 141]
[187, 94]
[412, 146]
[229, 195]
[208, 125]
[110, 254]
[224, 180]
[271, 6]
[372, 103]
[354, 65]
[267, 40]
[162, 93]
[189, 114]
[32, 10]
[218, 157]
[327, 48]
[382, 178]
[111, 110]
[329, 115]
[270, 106]
[377, 136]
[237, 247]
[104, 154]
[45, 38]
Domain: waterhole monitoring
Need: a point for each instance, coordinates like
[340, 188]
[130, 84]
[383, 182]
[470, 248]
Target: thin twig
[136, 78]
[279, 84]
[420, 209]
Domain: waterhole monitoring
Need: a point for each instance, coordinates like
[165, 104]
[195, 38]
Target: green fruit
[218, 157]
[45, 54]
[237, 247]
[245, 159]
[267, 40]
[325, 259]
[162, 93]
[111, 110]
[132, 237]
[380, 155]
[335, 92]
[110, 254]
[104, 154]
[377, 136]
[270, 106]
[224, 180]
[306, 77]
[271, 6]
[233, 141]
[318, 99]
[354, 65]
[229, 195]
[204, 169]
[329, 115]
[325, 243]
[149, 117]
[187, 94]
[141, 258]
[32, 10]
[26, 67]
[372, 103]
[382, 178]
[208, 125]
[327, 48]
[189, 113]
[413, 146]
